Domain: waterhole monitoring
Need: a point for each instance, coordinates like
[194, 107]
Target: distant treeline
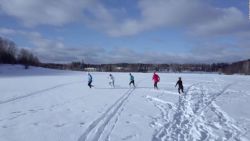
[126, 67]
[10, 54]
[242, 67]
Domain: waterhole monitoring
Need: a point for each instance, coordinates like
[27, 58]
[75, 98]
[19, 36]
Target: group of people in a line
[155, 78]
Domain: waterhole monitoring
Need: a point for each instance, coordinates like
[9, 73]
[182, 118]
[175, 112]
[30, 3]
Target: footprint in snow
[59, 125]
[11, 118]
[4, 127]
[16, 112]
[82, 123]
[128, 137]
[32, 111]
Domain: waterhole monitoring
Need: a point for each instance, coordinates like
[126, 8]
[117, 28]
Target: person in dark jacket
[180, 85]
[90, 79]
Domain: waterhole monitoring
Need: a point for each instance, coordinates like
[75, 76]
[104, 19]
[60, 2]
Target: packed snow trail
[96, 129]
[37, 92]
[195, 117]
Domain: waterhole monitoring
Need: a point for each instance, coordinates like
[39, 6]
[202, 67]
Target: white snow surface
[51, 105]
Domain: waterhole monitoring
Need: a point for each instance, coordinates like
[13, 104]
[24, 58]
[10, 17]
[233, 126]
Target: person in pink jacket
[156, 79]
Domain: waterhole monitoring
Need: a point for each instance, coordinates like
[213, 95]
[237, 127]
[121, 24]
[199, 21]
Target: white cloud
[191, 15]
[231, 21]
[44, 12]
[7, 31]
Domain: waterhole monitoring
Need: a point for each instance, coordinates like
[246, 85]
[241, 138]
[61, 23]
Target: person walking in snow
[156, 79]
[90, 79]
[132, 80]
[111, 80]
[180, 85]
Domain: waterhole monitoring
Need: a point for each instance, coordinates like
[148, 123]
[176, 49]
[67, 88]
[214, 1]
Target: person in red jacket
[156, 79]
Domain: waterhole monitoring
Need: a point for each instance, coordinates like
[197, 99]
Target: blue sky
[132, 31]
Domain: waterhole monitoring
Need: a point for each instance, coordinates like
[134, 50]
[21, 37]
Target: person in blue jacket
[132, 80]
[90, 80]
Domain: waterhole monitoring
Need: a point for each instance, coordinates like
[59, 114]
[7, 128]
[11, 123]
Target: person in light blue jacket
[132, 80]
[90, 80]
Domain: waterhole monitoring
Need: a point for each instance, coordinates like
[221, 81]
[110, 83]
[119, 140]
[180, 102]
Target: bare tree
[7, 51]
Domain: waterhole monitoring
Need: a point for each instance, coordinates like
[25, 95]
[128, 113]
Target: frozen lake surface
[51, 105]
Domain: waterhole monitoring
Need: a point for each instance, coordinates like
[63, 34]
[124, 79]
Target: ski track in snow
[96, 129]
[36, 92]
[102, 127]
[194, 117]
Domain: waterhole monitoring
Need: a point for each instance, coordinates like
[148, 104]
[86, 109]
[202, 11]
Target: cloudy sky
[132, 31]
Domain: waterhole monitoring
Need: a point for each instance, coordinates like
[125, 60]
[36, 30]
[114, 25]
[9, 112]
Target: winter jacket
[179, 83]
[132, 78]
[156, 78]
[111, 78]
[90, 78]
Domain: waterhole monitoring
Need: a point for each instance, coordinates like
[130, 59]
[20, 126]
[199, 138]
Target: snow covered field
[51, 105]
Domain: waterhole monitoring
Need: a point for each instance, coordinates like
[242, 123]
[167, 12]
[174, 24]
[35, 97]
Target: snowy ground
[50, 105]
